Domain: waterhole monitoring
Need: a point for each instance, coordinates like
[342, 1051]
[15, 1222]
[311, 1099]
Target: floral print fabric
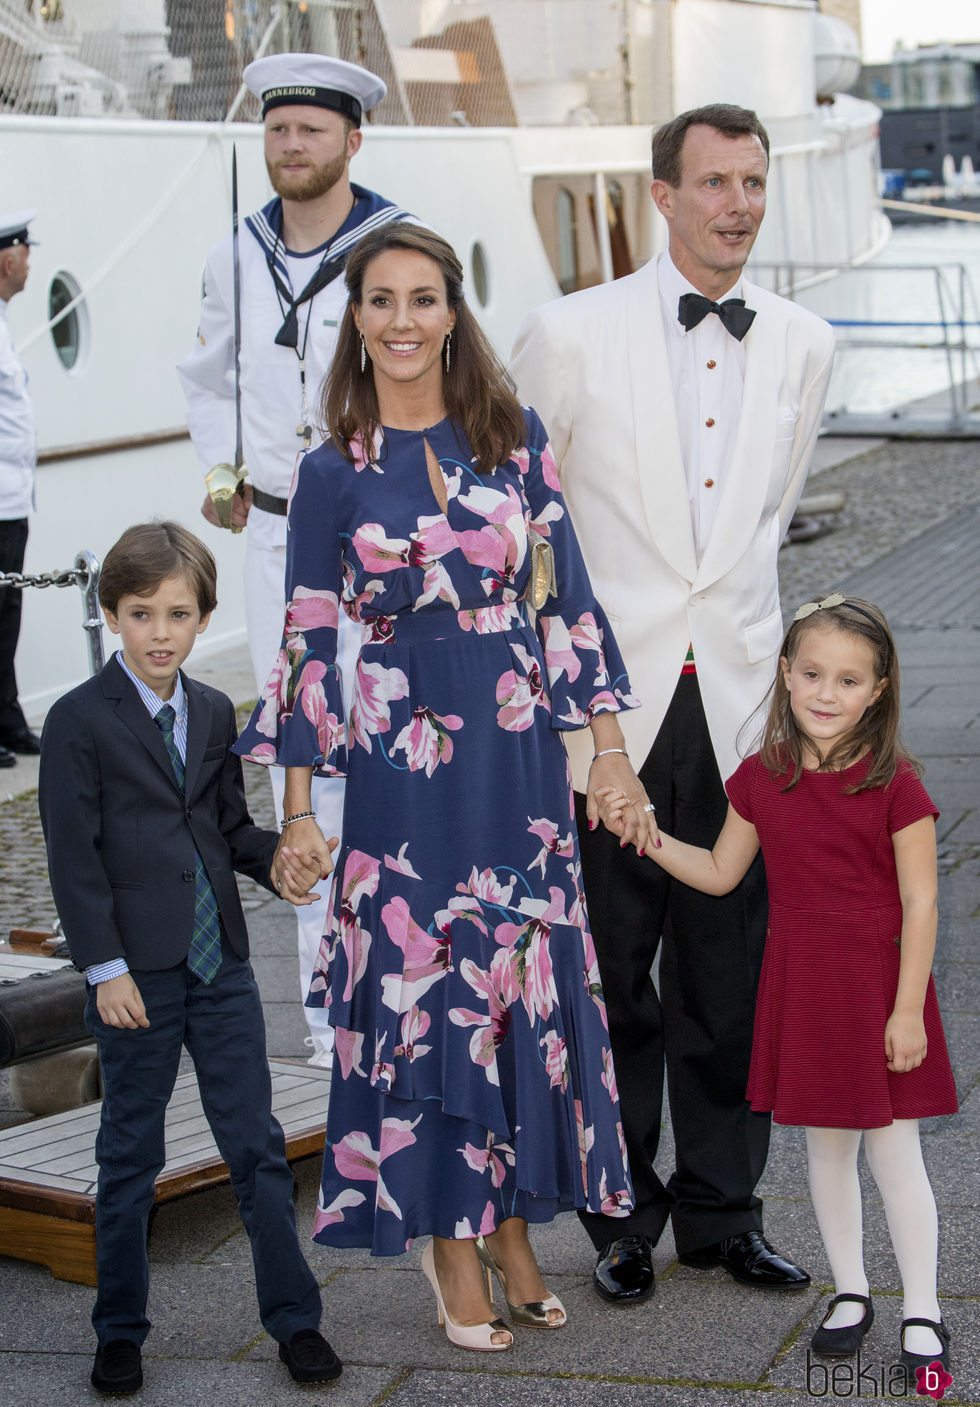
[472, 1074]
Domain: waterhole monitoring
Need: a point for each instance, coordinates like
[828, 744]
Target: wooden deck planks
[48, 1172]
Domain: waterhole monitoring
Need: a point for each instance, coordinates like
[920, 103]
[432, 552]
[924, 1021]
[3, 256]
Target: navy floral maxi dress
[472, 1076]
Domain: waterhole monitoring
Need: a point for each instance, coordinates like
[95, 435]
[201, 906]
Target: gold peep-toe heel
[477, 1336]
[533, 1315]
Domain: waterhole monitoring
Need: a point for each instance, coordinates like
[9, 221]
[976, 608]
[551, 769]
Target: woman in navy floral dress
[473, 1086]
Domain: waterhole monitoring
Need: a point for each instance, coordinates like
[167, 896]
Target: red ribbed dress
[830, 970]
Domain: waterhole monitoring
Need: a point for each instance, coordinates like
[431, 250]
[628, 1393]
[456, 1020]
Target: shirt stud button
[709, 483]
[709, 422]
[712, 365]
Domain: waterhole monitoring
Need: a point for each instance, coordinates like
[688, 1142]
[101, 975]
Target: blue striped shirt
[103, 971]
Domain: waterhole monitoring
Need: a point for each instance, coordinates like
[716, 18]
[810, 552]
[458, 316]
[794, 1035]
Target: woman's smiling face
[404, 317]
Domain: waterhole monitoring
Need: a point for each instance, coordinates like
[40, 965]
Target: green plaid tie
[204, 957]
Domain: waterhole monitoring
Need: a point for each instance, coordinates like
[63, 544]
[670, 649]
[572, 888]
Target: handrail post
[88, 569]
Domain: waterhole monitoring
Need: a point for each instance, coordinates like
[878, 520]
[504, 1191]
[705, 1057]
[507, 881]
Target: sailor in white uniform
[18, 457]
[292, 296]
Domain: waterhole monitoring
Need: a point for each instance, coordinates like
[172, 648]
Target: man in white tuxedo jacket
[683, 430]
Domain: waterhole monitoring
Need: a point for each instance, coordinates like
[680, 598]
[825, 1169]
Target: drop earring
[363, 355]
[449, 338]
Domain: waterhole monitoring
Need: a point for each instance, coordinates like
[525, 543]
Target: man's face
[16, 263]
[307, 150]
[715, 213]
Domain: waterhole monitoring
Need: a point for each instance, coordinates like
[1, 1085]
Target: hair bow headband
[810, 606]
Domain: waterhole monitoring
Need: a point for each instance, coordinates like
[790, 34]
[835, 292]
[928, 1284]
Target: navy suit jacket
[120, 835]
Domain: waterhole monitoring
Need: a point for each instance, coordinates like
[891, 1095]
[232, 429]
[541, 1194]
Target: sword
[225, 480]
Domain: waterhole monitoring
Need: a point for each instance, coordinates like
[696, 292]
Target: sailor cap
[314, 80]
[13, 228]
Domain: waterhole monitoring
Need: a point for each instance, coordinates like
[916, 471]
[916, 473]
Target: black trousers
[13, 544]
[700, 1026]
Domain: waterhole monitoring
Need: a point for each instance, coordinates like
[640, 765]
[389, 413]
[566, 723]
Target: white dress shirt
[707, 369]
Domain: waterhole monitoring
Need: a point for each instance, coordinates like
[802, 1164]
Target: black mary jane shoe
[845, 1341]
[118, 1367]
[750, 1260]
[923, 1360]
[624, 1271]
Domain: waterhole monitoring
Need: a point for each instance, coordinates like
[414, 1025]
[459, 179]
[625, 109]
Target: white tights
[894, 1156]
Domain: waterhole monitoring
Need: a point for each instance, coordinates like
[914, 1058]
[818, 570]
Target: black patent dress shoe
[750, 1260]
[923, 1360]
[118, 1366]
[25, 742]
[309, 1358]
[845, 1341]
[624, 1270]
[7, 758]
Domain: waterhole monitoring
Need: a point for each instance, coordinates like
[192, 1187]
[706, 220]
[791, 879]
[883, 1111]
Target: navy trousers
[13, 544]
[223, 1029]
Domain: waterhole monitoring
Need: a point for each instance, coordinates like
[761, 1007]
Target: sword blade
[237, 277]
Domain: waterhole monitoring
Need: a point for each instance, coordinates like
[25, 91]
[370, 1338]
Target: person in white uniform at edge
[18, 456]
[292, 296]
[682, 423]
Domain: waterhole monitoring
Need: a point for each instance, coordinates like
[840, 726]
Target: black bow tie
[694, 308]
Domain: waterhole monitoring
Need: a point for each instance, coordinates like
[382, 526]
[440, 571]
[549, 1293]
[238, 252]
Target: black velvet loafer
[624, 1271]
[750, 1260]
[309, 1358]
[845, 1341]
[923, 1360]
[118, 1366]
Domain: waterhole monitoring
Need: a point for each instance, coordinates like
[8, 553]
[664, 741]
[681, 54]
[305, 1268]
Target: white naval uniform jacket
[18, 440]
[594, 366]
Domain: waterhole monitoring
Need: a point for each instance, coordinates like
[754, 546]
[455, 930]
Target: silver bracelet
[607, 750]
[300, 816]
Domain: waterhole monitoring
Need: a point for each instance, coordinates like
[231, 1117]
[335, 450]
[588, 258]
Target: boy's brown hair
[149, 553]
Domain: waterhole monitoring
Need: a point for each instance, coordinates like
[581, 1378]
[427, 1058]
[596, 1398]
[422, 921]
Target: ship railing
[84, 573]
[945, 321]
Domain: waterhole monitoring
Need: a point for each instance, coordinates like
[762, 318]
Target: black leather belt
[269, 503]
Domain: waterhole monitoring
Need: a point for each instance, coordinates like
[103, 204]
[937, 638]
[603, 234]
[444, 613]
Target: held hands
[617, 798]
[120, 1004]
[297, 867]
[905, 1042]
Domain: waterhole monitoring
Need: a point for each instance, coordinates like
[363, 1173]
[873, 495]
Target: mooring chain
[21, 579]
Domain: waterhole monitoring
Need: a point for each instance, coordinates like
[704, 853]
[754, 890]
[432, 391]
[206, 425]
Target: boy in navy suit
[145, 820]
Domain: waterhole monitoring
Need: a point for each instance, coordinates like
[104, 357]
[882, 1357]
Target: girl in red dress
[847, 1040]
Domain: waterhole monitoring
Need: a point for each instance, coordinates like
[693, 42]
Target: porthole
[481, 274]
[69, 329]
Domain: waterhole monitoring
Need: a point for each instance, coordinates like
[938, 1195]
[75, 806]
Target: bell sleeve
[586, 672]
[299, 719]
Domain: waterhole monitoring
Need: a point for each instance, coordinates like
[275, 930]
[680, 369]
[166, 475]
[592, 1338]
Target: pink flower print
[609, 1074]
[483, 1160]
[603, 702]
[361, 875]
[365, 457]
[415, 1023]
[401, 864]
[559, 651]
[262, 752]
[547, 833]
[310, 610]
[374, 689]
[426, 740]
[487, 620]
[499, 989]
[350, 1049]
[499, 546]
[586, 1138]
[379, 629]
[460, 909]
[376, 551]
[382, 1071]
[464, 1229]
[357, 1161]
[519, 694]
[528, 948]
[331, 732]
[329, 1216]
[355, 602]
[273, 693]
[486, 885]
[617, 1203]
[556, 1060]
[549, 469]
[427, 957]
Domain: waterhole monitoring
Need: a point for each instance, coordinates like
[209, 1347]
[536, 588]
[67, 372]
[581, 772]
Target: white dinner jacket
[594, 365]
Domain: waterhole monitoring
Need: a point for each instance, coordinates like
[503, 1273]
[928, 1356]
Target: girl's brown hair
[479, 394]
[877, 732]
